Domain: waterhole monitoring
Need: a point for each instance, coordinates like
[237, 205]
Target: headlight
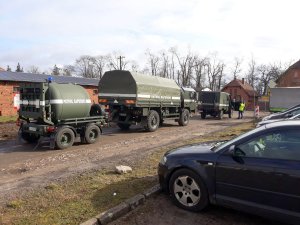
[163, 160]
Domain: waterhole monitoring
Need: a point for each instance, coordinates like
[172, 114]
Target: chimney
[243, 80]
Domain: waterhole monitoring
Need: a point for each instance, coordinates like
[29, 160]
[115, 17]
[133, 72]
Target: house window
[16, 89]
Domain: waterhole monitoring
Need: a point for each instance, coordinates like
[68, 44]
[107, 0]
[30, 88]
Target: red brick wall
[7, 97]
[240, 94]
[290, 79]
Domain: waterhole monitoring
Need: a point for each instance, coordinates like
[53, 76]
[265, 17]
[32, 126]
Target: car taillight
[50, 129]
[102, 100]
[130, 101]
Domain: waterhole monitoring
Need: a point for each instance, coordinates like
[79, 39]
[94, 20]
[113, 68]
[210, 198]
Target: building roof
[239, 83]
[30, 77]
[295, 66]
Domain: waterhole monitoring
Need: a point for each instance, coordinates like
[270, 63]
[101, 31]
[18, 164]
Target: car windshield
[217, 147]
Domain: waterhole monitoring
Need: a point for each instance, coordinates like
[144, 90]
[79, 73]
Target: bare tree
[153, 62]
[85, 66]
[186, 64]
[68, 70]
[251, 75]
[99, 63]
[200, 71]
[237, 69]
[33, 69]
[116, 61]
[215, 69]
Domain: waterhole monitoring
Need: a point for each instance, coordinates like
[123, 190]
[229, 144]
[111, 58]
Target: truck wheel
[64, 138]
[30, 138]
[220, 115]
[124, 126]
[184, 118]
[92, 133]
[203, 115]
[152, 121]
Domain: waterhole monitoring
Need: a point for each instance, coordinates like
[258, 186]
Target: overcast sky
[44, 33]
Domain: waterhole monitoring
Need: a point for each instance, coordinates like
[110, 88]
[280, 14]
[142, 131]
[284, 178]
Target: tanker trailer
[134, 98]
[60, 113]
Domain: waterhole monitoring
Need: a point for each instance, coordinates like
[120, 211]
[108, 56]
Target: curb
[123, 208]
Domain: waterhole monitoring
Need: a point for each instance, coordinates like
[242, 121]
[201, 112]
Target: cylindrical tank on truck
[60, 113]
[137, 98]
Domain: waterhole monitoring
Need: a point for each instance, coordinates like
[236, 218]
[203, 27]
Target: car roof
[284, 123]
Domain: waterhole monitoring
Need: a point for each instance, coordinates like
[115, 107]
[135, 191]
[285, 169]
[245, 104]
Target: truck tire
[184, 118]
[92, 133]
[203, 115]
[124, 126]
[220, 115]
[64, 138]
[30, 138]
[152, 121]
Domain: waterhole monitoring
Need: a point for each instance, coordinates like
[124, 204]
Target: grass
[79, 198]
[5, 119]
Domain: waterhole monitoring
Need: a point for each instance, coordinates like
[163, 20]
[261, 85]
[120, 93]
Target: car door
[265, 175]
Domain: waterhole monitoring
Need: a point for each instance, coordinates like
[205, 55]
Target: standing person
[241, 109]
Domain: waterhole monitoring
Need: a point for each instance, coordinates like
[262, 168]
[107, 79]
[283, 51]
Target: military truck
[59, 113]
[214, 103]
[134, 98]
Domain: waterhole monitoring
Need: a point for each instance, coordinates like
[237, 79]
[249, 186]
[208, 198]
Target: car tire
[92, 133]
[152, 121]
[64, 138]
[184, 118]
[188, 191]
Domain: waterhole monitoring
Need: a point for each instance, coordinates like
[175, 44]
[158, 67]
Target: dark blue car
[257, 172]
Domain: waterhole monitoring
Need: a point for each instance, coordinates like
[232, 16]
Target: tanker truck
[133, 98]
[58, 113]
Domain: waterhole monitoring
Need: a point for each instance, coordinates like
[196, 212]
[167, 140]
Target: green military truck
[59, 113]
[214, 103]
[136, 98]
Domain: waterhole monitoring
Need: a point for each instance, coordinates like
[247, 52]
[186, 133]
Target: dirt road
[23, 168]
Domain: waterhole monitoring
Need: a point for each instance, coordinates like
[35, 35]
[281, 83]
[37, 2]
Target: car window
[278, 145]
[297, 111]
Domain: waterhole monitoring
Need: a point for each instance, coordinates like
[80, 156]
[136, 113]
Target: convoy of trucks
[63, 113]
[148, 100]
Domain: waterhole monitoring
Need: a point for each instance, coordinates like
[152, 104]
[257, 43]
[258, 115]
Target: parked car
[277, 120]
[257, 172]
[284, 114]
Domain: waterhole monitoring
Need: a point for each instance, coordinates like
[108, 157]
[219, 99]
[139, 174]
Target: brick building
[291, 77]
[9, 87]
[240, 90]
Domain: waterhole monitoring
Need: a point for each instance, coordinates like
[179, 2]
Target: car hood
[202, 149]
[269, 121]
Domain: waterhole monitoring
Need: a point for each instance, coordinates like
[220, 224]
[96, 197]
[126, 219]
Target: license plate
[32, 128]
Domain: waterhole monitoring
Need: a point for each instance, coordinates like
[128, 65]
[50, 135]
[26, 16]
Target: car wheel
[188, 191]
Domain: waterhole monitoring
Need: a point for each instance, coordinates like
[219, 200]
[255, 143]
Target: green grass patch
[79, 198]
[6, 119]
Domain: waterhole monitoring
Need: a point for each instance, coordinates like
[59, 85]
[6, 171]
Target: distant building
[291, 77]
[10, 81]
[240, 90]
[1, 69]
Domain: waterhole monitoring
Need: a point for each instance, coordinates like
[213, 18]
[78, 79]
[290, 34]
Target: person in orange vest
[241, 109]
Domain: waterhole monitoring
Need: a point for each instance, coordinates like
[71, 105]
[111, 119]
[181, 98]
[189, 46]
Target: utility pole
[120, 58]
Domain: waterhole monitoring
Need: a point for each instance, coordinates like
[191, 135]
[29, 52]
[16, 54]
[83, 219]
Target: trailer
[282, 98]
[58, 113]
[134, 98]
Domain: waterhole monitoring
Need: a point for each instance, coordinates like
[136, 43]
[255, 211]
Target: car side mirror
[236, 152]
